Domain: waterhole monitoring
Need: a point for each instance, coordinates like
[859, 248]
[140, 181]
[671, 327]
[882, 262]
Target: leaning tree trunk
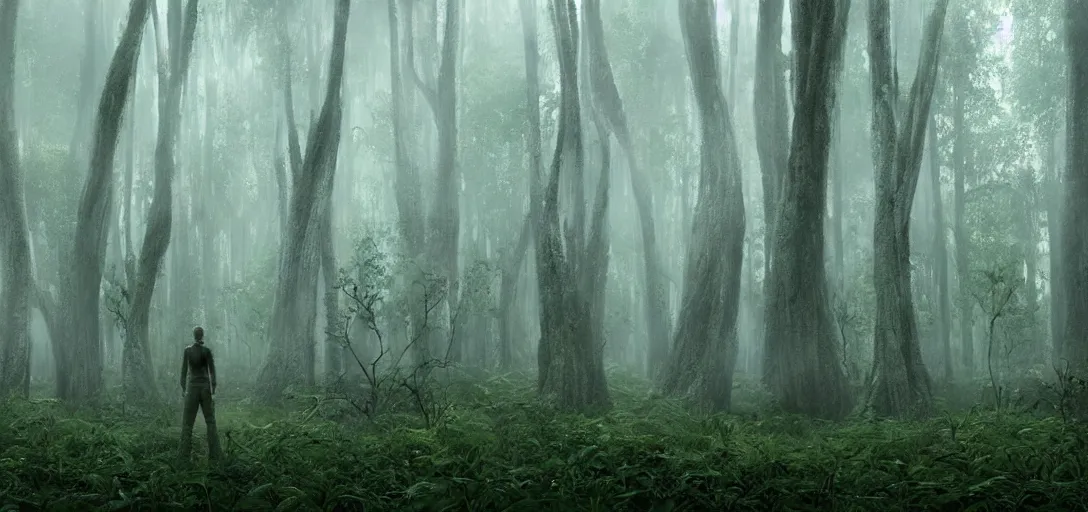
[901, 384]
[608, 97]
[771, 117]
[704, 351]
[77, 346]
[17, 277]
[512, 264]
[801, 365]
[294, 309]
[137, 371]
[570, 354]
[1074, 239]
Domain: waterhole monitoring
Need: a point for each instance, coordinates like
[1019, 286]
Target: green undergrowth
[499, 449]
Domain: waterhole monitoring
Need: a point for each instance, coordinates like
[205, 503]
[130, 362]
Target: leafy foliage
[501, 449]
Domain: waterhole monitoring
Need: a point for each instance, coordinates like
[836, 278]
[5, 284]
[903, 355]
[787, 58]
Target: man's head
[198, 335]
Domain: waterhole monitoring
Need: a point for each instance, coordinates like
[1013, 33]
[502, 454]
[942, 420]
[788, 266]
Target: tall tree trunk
[138, 373]
[607, 96]
[329, 274]
[77, 348]
[512, 268]
[838, 205]
[960, 150]
[802, 366]
[291, 329]
[17, 277]
[1074, 245]
[444, 221]
[704, 352]
[512, 264]
[771, 118]
[571, 354]
[1053, 226]
[940, 255]
[1031, 259]
[208, 216]
[409, 198]
[901, 385]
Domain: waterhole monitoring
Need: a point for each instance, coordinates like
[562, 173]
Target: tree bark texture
[16, 274]
[900, 383]
[77, 344]
[175, 51]
[704, 351]
[771, 116]
[1074, 239]
[290, 360]
[802, 366]
[570, 355]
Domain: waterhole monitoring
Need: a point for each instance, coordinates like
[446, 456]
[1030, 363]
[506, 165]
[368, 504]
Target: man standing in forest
[197, 363]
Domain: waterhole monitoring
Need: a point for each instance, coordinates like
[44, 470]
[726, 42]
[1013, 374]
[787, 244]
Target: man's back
[199, 363]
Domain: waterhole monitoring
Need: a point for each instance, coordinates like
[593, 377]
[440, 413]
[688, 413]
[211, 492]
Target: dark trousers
[198, 396]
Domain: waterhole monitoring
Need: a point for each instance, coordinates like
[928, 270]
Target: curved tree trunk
[771, 117]
[801, 365]
[17, 277]
[570, 354]
[901, 385]
[608, 97]
[137, 371]
[1074, 239]
[290, 356]
[77, 346]
[533, 146]
[704, 350]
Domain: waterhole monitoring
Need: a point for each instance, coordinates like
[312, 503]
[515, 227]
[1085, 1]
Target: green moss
[500, 449]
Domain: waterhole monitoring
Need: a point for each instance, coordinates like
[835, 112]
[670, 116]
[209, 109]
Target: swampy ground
[498, 448]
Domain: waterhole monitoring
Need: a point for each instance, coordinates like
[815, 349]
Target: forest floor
[497, 448]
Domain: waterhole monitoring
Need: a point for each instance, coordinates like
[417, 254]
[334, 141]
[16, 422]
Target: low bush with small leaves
[499, 448]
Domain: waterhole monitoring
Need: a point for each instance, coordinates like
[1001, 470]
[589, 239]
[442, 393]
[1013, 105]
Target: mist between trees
[857, 208]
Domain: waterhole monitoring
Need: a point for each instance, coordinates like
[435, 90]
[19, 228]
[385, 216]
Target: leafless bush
[392, 380]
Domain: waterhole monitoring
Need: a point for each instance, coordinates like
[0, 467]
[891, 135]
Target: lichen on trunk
[1074, 240]
[900, 383]
[174, 52]
[77, 346]
[571, 266]
[291, 328]
[704, 348]
[802, 366]
[16, 274]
